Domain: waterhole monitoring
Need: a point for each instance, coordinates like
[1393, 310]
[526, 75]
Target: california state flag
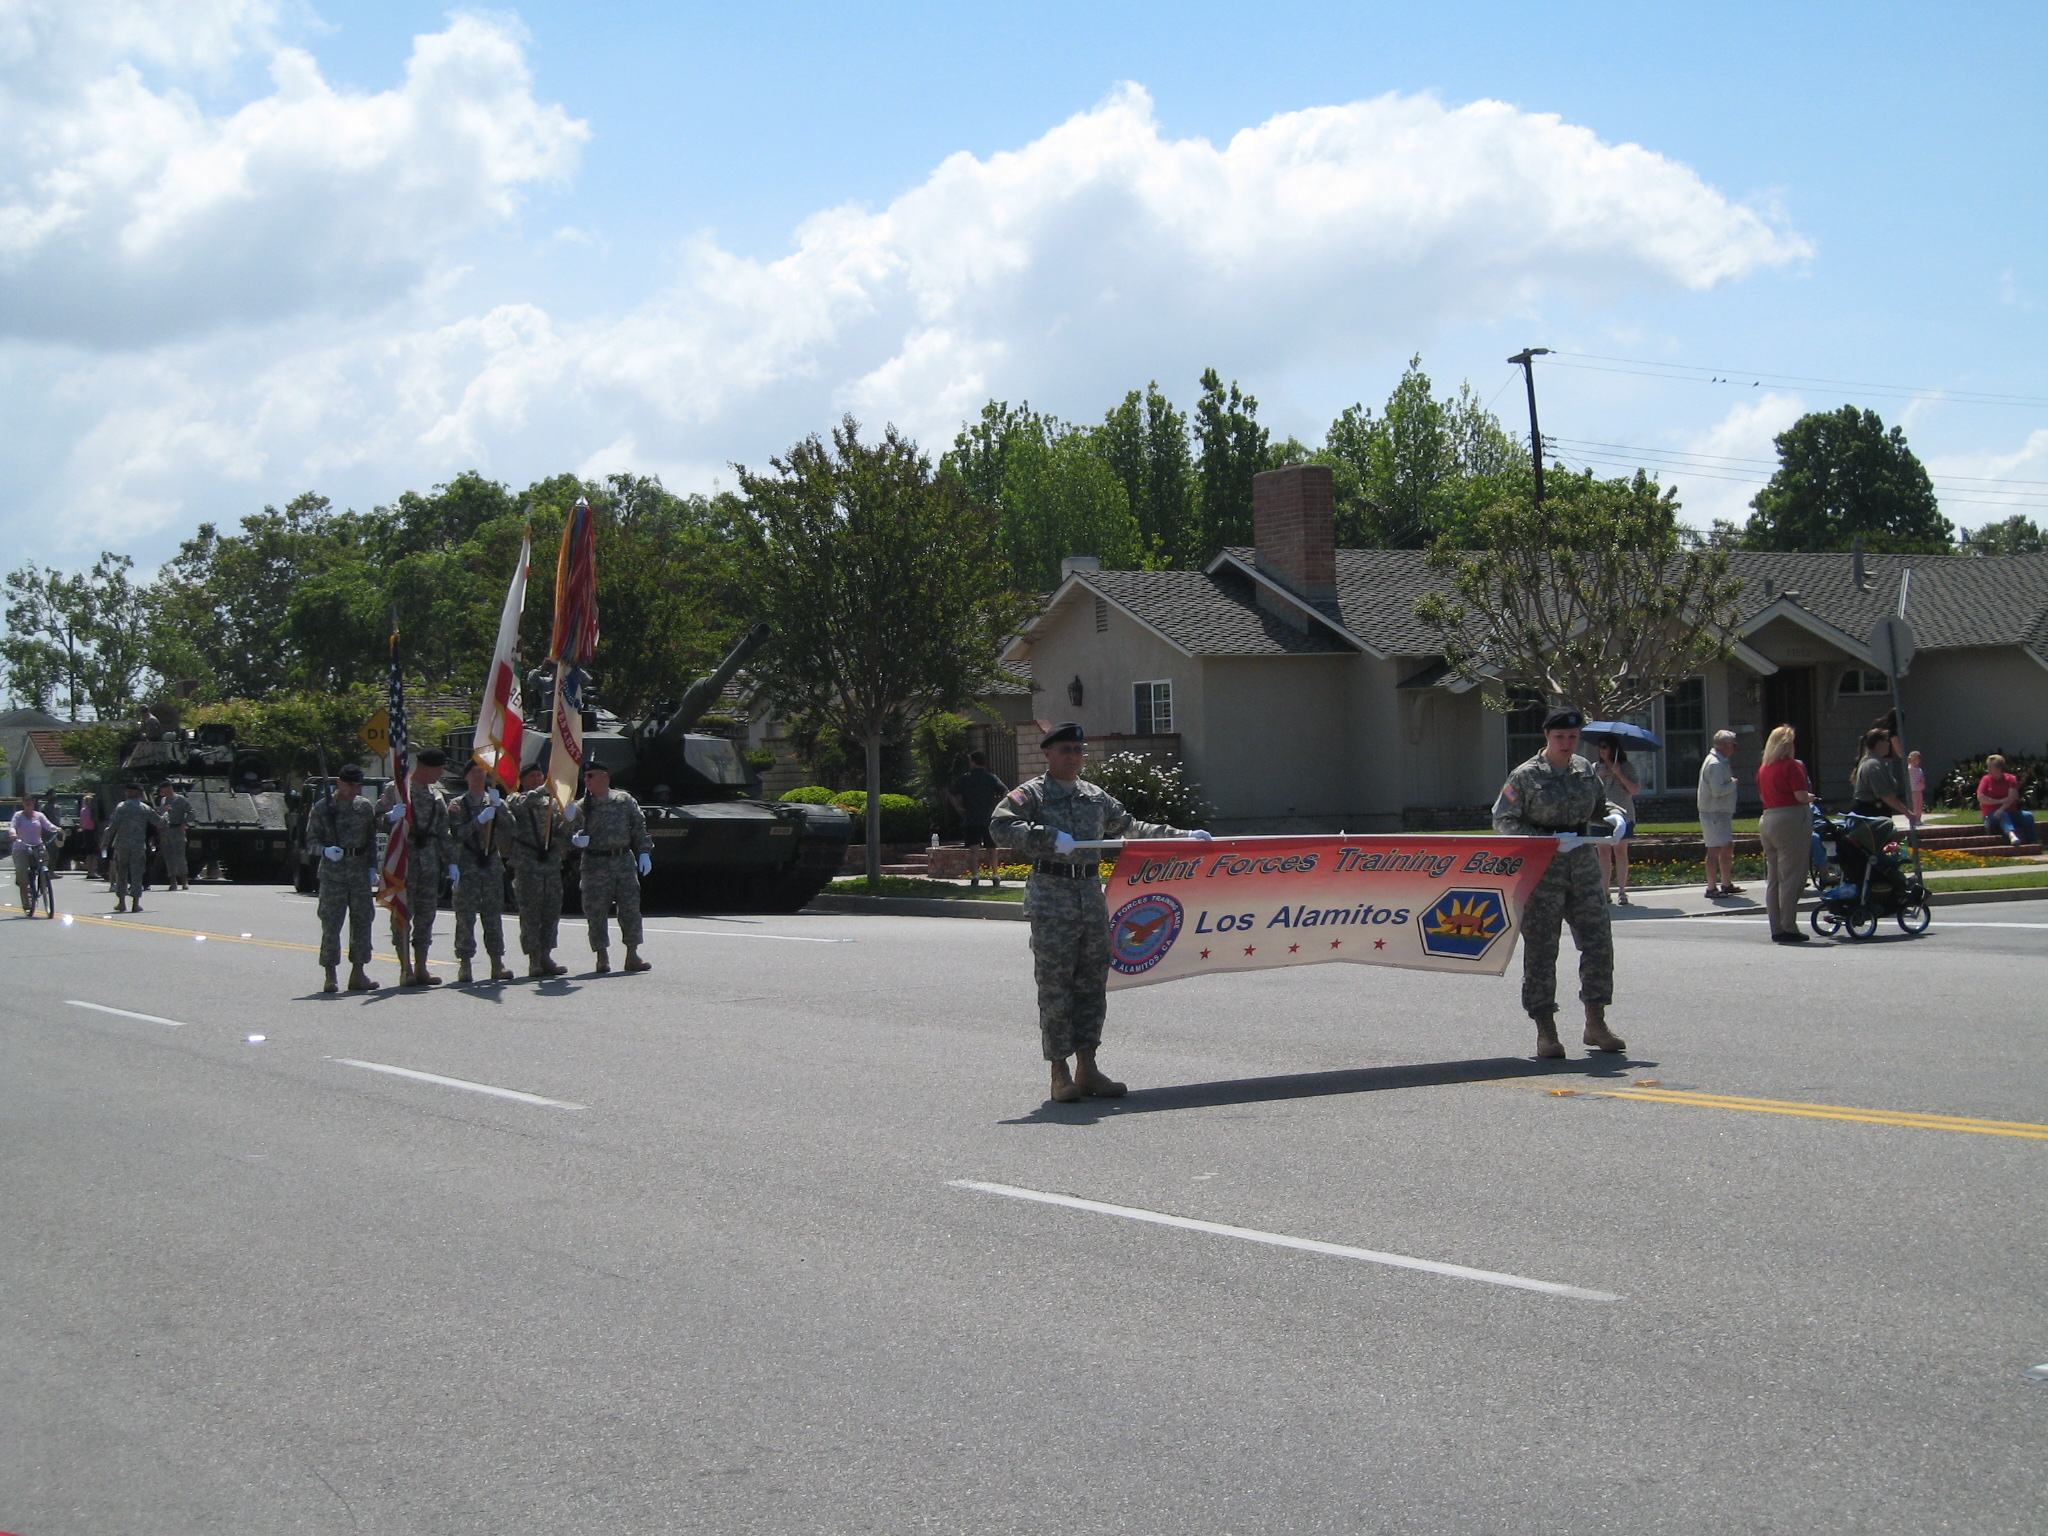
[500, 727]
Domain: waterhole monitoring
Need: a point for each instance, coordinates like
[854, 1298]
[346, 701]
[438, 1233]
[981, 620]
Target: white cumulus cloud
[130, 213]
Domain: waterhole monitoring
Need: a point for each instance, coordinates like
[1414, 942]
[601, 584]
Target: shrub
[809, 794]
[1151, 790]
[1959, 789]
[904, 820]
[760, 759]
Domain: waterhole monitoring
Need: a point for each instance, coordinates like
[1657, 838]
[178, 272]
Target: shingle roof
[50, 748]
[1956, 600]
[1210, 615]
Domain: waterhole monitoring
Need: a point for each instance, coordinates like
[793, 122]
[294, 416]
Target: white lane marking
[782, 938]
[1280, 1240]
[455, 1082]
[147, 1018]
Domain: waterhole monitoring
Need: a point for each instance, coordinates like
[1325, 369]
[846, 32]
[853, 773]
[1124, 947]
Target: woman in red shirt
[1998, 797]
[1786, 831]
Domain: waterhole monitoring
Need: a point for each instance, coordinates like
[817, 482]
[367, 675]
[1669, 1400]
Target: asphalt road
[256, 1286]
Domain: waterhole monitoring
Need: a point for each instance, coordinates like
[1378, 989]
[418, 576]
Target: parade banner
[1442, 903]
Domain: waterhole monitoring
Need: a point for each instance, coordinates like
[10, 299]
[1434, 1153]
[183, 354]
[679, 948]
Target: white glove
[581, 839]
[454, 874]
[397, 814]
[572, 810]
[646, 863]
[1063, 842]
[1619, 822]
[333, 853]
[1199, 836]
[496, 798]
[484, 815]
[1567, 841]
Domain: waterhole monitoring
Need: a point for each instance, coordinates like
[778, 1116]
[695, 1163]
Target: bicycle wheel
[1862, 922]
[1825, 922]
[49, 884]
[1915, 915]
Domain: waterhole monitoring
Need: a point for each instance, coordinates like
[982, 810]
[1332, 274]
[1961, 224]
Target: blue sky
[250, 249]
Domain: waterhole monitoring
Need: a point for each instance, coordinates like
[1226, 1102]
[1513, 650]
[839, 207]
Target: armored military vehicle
[239, 809]
[717, 844]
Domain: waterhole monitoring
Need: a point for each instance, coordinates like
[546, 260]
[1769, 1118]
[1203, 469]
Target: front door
[1788, 700]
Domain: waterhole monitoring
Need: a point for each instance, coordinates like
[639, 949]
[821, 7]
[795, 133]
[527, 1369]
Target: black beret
[594, 766]
[1064, 733]
[433, 757]
[350, 775]
[540, 768]
[1563, 720]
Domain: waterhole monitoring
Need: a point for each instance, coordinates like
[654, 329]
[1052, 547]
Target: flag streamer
[573, 645]
[500, 723]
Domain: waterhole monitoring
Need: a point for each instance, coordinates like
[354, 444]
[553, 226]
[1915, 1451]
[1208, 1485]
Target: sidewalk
[1693, 901]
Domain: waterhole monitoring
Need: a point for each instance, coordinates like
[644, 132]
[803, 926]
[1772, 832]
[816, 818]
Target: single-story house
[1295, 683]
[15, 724]
[45, 765]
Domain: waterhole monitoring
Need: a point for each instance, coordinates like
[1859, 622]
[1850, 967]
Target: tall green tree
[1053, 491]
[1841, 474]
[885, 586]
[1233, 450]
[2014, 535]
[1144, 439]
[80, 639]
[1596, 597]
[1422, 470]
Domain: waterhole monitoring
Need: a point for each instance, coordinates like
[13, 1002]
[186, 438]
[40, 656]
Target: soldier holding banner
[432, 854]
[1556, 794]
[1044, 818]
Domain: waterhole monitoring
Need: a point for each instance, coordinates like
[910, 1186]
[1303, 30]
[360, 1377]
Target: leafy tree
[1595, 597]
[884, 583]
[1420, 471]
[1053, 493]
[1145, 441]
[305, 732]
[2015, 535]
[1840, 474]
[1233, 448]
[83, 638]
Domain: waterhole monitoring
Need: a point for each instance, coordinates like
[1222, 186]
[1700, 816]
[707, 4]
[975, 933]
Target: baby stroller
[1862, 878]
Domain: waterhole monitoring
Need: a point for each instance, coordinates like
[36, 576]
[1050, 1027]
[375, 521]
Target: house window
[1685, 729]
[1102, 615]
[1855, 681]
[1525, 725]
[1152, 703]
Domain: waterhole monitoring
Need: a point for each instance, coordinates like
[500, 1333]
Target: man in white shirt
[1717, 814]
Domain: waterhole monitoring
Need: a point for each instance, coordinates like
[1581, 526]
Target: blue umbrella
[1621, 730]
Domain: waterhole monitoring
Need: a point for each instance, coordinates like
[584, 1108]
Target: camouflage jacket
[1031, 817]
[430, 824]
[534, 824]
[130, 825]
[350, 826]
[614, 823]
[1541, 801]
[476, 842]
[176, 810]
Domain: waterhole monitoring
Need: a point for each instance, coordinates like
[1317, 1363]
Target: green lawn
[1743, 824]
[911, 885]
[1991, 882]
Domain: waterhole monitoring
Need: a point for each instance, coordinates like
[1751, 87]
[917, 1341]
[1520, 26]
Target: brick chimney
[1294, 529]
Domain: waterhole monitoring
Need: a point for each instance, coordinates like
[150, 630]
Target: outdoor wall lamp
[1074, 691]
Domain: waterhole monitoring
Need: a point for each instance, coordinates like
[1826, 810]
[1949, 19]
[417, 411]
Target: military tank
[240, 812]
[717, 843]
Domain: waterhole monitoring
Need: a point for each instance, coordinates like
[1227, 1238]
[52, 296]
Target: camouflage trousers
[345, 892]
[1070, 962]
[129, 866]
[423, 896]
[538, 888]
[172, 842]
[480, 896]
[1569, 892]
[611, 879]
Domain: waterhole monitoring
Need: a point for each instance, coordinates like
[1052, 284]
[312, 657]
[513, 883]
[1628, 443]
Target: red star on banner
[1249, 948]
[1292, 948]
[1379, 943]
[1335, 942]
[1205, 954]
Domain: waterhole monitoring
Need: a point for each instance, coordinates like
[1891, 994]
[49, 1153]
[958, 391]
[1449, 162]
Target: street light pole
[1526, 358]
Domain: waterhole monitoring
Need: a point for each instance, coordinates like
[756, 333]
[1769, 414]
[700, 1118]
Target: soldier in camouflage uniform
[433, 854]
[341, 831]
[1555, 794]
[127, 838]
[1044, 818]
[611, 829]
[177, 814]
[538, 838]
[477, 827]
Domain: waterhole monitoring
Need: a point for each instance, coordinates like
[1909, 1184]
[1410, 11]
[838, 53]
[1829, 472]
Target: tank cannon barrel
[704, 692]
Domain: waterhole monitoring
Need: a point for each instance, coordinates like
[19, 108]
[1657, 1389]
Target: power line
[1723, 458]
[1732, 470]
[1750, 378]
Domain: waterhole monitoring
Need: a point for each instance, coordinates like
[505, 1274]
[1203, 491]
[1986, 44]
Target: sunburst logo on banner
[1464, 924]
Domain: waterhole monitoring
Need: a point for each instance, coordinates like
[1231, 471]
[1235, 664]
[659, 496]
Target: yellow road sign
[376, 732]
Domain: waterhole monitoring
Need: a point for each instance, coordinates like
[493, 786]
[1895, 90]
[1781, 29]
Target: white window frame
[1145, 716]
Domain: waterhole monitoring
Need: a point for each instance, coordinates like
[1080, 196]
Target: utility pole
[1526, 358]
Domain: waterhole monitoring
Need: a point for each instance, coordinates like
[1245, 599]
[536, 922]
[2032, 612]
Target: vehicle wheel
[1862, 922]
[1825, 922]
[1915, 915]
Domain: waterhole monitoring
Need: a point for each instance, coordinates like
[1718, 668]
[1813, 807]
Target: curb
[921, 906]
[1935, 898]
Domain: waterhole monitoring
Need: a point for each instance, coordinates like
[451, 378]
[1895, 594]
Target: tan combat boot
[421, 976]
[554, 968]
[538, 969]
[463, 975]
[359, 980]
[330, 984]
[1092, 1082]
[500, 971]
[1547, 1045]
[1598, 1035]
[633, 960]
[604, 962]
[1064, 1089]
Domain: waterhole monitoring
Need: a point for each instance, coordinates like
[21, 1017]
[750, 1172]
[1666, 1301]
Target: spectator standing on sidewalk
[975, 795]
[1717, 814]
[1786, 831]
[1916, 778]
[1622, 786]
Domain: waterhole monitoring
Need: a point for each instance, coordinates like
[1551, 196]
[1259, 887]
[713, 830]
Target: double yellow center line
[1899, 1117]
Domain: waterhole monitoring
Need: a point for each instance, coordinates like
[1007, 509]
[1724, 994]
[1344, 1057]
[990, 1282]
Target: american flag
[392, 871]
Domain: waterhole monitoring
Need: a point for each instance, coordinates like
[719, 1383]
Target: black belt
[1576, 826]
[606, 853]
[1069, 871]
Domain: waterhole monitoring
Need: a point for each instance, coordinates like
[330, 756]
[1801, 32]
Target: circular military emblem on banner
[1464, 924]
[1142, 931]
